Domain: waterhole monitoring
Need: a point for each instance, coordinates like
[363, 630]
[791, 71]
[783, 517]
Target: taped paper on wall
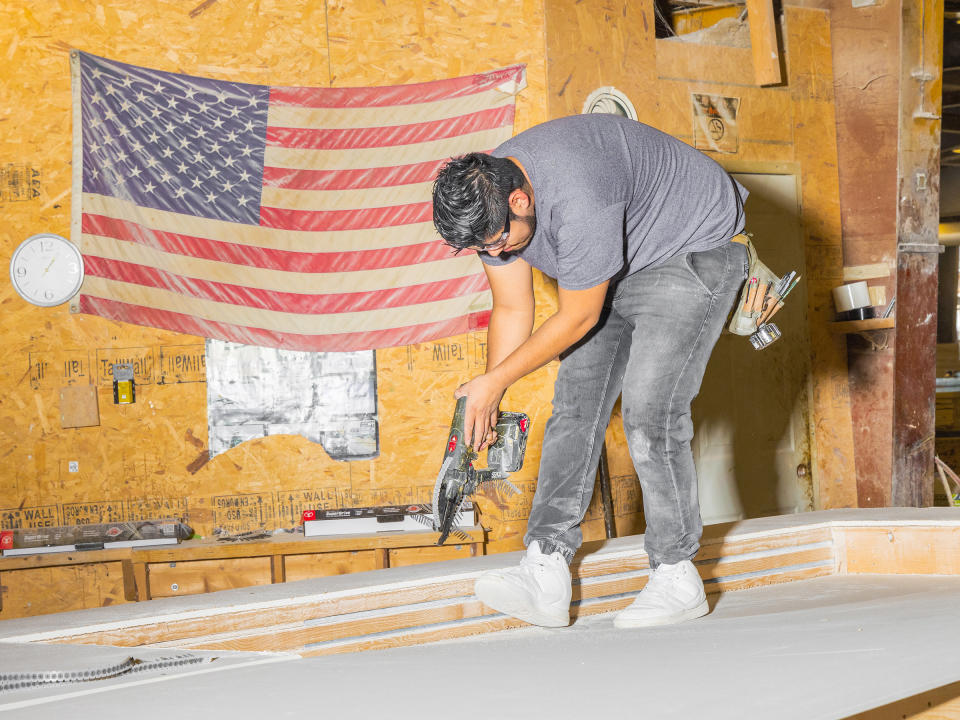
[328, 398]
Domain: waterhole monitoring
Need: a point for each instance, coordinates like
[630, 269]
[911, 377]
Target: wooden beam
[918, 211]
[763, 42]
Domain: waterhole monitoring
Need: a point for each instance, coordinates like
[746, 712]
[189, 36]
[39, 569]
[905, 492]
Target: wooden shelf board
[854, 326]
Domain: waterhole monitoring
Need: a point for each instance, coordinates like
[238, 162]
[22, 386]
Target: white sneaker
[673, 593]
[536, 591]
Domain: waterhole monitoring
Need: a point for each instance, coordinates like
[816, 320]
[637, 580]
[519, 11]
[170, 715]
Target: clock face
[46, 269]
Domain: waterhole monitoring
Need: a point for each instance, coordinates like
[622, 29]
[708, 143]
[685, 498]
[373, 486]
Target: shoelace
[659, 583]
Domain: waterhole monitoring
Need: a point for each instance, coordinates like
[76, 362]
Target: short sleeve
[591, 250]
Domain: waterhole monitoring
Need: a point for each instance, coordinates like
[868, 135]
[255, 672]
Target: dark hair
[470, 197]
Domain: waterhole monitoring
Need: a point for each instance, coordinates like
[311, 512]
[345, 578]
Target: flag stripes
[343, 342]
[266, 258]
[388, 136]
[280, 301]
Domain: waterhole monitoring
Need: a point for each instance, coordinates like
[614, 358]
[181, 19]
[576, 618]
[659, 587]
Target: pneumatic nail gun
[458, 478]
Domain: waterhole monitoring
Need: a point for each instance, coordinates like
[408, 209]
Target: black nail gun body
[459, 479]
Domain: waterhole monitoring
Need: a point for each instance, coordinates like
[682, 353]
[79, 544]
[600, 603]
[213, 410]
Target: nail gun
[458, 478]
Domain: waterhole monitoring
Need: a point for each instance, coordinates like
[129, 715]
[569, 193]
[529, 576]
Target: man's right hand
[483, 408]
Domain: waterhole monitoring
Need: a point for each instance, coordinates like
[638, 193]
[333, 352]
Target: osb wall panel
[151, 458]
[790, 128]
[58, 589]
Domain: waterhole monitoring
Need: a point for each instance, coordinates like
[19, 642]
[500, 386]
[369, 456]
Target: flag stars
[246, 151]
[110, 90]
[189, 92]
[244, 176]
[124, 105]
[198, 157]
[186, 118]
[149, 187]
[196, 182]
[215, 147]
[155, 112]
[179, 193]
[169, 128]
[153, 137]
[242, 201]
[165, 177]
[127, 81]
[166, 152]
[211, 197]
[218, 123]
[182, 168]
[228, 186]
[184, 143]
[158, 87]
[214, 172]
[138, 122]
[141, 97]
[172, 102]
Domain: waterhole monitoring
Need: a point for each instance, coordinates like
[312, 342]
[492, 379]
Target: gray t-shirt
[614, 196]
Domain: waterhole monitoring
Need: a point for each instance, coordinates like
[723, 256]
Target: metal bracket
[920, 248]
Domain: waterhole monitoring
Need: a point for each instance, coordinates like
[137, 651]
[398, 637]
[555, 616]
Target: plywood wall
[150, 458]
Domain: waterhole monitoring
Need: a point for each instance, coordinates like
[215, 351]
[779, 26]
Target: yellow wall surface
[150, 459]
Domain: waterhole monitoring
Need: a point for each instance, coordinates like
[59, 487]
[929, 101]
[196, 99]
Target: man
[636, 227]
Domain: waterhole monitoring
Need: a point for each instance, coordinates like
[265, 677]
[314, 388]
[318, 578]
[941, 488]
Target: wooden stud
[763, 42]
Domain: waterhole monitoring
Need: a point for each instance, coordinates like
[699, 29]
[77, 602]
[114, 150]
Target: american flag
[287, 217]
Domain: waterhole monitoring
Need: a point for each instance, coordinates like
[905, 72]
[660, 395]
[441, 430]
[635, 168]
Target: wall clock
[46, 269]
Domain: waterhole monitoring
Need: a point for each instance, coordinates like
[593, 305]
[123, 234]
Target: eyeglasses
[497, 244]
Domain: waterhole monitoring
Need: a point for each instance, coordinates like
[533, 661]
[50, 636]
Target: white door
[751, 430]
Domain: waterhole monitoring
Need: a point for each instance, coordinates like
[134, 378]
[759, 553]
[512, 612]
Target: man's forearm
[559, 332]
[508, 330]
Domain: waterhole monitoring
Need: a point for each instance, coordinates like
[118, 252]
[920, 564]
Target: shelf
[855, 326]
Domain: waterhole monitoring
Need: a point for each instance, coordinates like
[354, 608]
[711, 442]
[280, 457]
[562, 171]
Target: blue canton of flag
[173, 142]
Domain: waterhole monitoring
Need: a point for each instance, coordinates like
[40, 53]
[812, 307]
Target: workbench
[207, 565]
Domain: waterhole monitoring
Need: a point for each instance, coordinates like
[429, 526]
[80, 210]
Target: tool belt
[743, 320]
[760, 299]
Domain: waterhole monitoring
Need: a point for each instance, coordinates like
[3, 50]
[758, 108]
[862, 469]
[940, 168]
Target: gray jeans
[652, 343]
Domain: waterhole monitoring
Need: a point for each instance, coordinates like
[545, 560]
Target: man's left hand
[483, 406]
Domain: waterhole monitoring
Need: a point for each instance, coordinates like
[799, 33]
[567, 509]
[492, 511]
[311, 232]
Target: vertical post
[918, 215]
[606, 496]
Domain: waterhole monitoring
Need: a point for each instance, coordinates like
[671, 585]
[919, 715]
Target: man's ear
[518, 200]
